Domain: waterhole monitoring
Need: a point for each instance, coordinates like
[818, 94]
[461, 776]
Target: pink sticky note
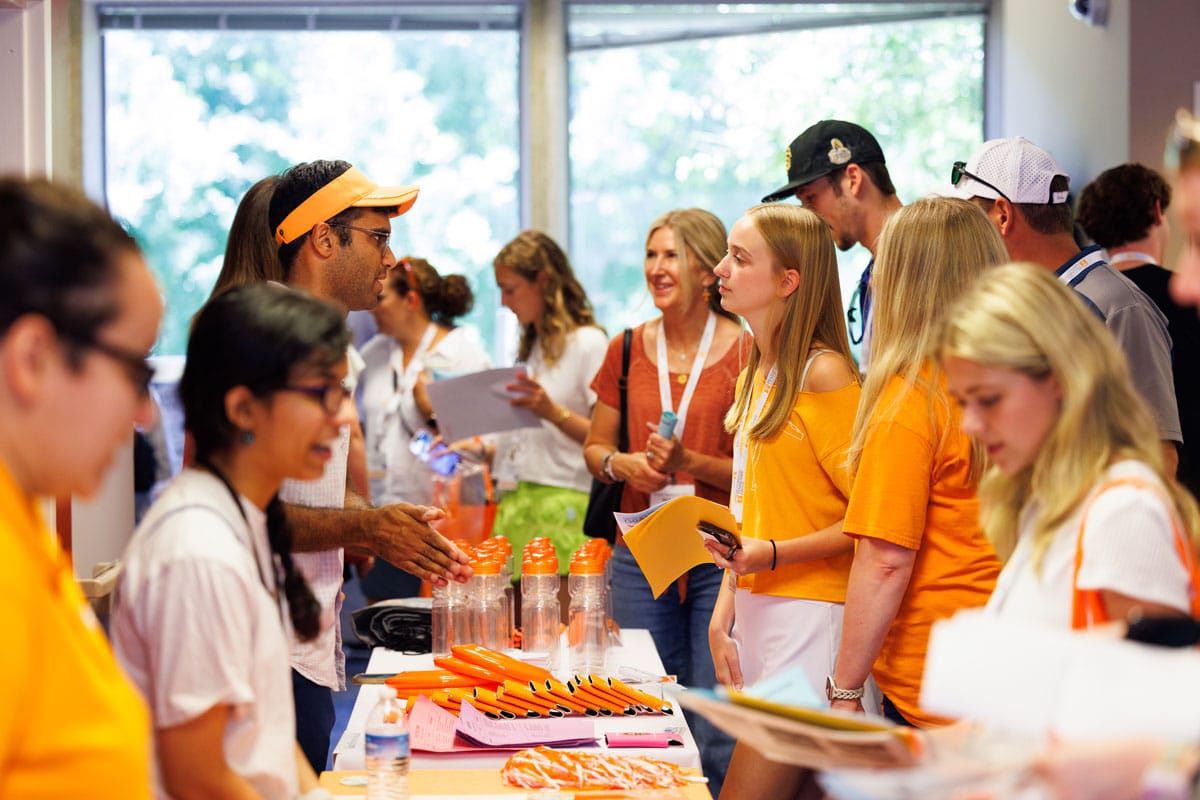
[431, 727]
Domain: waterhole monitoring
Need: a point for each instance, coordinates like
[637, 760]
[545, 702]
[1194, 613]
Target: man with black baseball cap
[837, 169]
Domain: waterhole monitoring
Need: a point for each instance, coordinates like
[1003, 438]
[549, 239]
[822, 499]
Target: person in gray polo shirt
[1024, 191]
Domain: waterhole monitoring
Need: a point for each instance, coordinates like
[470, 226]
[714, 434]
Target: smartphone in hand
[721, 536]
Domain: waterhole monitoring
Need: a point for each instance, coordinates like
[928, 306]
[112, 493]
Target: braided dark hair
[256, 336]
[303, 607]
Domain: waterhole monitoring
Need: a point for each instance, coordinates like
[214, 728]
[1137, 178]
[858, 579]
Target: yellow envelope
[666, 544]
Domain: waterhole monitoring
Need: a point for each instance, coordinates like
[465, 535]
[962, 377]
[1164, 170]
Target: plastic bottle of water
[539, 601]
[587, 626]
[440, 620]
[387, 750]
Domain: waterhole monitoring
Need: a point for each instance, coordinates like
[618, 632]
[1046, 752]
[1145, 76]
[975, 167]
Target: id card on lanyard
[673, 489]
[741, 446]
[404, 377]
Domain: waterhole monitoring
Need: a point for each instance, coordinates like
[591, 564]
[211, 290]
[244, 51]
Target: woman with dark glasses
[209, 597]
[78, 312]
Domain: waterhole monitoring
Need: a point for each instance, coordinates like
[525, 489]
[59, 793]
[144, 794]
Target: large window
[670, 106]
[662, 119]
[194, 117]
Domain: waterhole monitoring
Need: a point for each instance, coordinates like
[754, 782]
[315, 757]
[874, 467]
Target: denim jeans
[315, 718]
[680, 632]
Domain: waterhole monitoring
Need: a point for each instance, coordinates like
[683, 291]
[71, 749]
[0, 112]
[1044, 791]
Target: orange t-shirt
[71, 723]
[705, 429]
[796, 484]
[914, 489]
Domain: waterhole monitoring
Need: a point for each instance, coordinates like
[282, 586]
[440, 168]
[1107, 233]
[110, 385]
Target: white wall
[39, 135]
[1060, 83]
[25, 90]
[1094, 97]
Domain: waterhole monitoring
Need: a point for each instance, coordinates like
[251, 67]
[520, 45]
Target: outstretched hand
[402, 536]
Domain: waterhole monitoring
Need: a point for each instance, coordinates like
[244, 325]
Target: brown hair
[565, 306]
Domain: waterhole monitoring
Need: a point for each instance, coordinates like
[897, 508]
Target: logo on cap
[838, 153]
[787, 159]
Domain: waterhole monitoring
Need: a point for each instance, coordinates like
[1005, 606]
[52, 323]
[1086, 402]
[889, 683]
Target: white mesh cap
[1015, 166]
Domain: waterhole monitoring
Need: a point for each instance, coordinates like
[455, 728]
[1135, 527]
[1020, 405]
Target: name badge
[671, 491]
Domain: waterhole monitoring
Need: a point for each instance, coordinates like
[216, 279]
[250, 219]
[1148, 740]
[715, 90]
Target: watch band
[834, 693]
[606, 466]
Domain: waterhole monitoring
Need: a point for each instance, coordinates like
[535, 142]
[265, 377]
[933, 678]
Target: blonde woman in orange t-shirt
[921, 555]
[792, 420]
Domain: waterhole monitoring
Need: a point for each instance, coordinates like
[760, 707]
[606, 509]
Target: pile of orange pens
[502, 687]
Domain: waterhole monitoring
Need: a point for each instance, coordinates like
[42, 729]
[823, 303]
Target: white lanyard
[741, 447]
[401, 370]
[1131, 255]
[404, 377]
[664, 372]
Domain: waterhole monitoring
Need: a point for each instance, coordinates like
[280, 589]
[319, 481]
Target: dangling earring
[246, 438]
[707, 295]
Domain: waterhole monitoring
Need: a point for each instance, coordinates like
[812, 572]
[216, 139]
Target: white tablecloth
[635, 660]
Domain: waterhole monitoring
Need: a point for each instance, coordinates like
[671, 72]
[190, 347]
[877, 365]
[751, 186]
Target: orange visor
[351, 188]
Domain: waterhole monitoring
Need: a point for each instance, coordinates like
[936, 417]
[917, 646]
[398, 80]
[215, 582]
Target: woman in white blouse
[1075, 497]
[417, 342]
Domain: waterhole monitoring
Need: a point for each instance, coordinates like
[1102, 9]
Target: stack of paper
[436, 730]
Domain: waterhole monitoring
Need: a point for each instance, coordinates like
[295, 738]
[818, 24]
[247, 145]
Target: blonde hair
[1021, 317]
[798, 239]
[697, 233]
[565, 306]
[929, 252]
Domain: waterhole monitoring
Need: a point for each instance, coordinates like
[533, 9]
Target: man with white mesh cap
[1024, 191]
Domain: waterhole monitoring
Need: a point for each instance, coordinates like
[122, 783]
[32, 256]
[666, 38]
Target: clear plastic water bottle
[587, 625]
[387, 750]
[539, 601]
[440, 620]
[491, 609]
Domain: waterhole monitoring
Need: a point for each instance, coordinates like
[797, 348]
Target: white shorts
[778, 633]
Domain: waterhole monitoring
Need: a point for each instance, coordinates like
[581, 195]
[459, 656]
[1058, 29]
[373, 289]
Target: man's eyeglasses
[380, 237]
[137, 366]
[959, 171]
[330, 396]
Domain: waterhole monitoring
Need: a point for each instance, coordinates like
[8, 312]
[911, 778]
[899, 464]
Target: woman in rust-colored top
[687, 362]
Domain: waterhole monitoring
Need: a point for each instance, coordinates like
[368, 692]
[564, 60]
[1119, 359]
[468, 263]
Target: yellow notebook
[667, 543]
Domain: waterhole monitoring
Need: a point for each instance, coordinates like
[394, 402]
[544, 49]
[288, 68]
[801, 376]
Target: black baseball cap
[827, 146]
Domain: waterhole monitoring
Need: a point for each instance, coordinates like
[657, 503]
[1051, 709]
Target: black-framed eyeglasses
[380, 237]
[137, 367]
[330, 396]
[959, 171]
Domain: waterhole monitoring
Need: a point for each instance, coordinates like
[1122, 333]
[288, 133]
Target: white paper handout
[478, 403]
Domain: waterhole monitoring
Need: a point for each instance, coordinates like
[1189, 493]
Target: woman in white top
[1076, 498]
[417, 339]
[561, 348]
[208, 588]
